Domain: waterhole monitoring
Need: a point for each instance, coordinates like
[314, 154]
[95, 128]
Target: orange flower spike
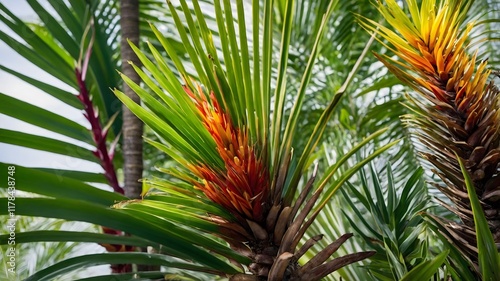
[242, 186]
[433, 49]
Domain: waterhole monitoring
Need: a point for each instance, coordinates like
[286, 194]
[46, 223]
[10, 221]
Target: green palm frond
[46, 253]
[387, 216]
[59, 36]
[59, 39]
[486, 14]
[488, 254]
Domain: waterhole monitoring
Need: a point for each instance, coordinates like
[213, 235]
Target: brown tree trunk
[132, 126]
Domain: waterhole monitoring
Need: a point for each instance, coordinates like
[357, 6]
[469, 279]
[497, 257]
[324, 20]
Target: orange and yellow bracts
[243, 187]
[433, 52]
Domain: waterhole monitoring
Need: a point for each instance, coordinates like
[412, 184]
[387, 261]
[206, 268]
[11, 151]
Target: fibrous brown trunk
[132, 126]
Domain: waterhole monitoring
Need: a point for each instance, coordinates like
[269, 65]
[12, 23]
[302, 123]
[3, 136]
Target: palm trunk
[132, 126]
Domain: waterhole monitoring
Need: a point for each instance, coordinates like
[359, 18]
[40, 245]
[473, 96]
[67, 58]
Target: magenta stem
[98, 135]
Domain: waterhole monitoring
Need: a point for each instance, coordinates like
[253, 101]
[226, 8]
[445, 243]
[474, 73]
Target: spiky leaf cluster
[457, 111]
[227, 131]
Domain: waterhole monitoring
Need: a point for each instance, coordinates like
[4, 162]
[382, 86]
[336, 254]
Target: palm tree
[251, 176]
[458, 123]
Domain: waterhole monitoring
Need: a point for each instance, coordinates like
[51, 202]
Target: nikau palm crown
[459, 115]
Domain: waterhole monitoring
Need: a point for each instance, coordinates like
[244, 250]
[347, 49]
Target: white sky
[12, 86]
